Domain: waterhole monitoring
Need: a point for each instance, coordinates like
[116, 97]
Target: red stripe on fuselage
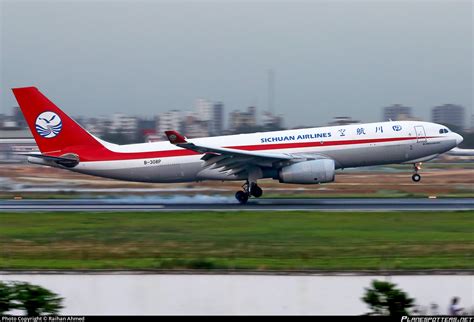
[107, 155]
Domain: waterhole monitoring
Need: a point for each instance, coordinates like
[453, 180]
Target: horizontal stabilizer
[68, 160]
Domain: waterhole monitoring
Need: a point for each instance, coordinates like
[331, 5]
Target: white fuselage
[352, 145]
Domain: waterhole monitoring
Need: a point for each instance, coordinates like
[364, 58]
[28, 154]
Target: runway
[389, 204]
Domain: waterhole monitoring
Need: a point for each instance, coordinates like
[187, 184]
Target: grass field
[238, 240]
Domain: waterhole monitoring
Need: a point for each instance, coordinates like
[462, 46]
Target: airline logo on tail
[48, 124]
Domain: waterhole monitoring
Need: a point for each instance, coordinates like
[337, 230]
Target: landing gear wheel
[416, 177]
[242, 197]
[416, 167]
[256, 191]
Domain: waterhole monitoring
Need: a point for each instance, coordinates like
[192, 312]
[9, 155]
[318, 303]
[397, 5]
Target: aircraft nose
[459, 138]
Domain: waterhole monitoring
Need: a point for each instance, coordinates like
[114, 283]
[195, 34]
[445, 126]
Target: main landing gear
[416, 177]
[249, 189]
[242, 197]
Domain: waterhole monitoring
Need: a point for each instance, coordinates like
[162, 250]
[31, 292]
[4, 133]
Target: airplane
[298, 156]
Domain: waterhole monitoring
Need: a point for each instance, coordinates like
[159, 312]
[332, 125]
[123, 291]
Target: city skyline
[122, 128]
[206, 118]
[327, 59]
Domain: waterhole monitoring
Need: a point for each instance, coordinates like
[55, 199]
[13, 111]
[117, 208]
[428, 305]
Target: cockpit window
[441, 131]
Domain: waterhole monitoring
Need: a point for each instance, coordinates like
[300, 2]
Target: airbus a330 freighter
[303, 156]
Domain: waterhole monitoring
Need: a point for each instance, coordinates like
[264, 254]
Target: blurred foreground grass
[238, 240]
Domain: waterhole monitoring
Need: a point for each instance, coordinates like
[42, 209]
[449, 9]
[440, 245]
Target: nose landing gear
[416, 177]
[249, 189]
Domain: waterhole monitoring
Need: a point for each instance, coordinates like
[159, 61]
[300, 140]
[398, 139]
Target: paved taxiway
[253, 205]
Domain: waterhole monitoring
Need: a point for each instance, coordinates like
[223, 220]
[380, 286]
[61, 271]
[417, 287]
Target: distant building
[16, 135]
[14, 141]
[193, 127]
[97, 126]
[397, 112]
[449, 114]
[212, 113]
[342, 120]
[217, 119]
[271, 122]
[146, 124]
[203, 108]
[243, 120]
[146, 128]
[170, 120]
[8, 124]
[150, 137]
[251, 114]
[13, 122]
[19, 118]
[124, 124]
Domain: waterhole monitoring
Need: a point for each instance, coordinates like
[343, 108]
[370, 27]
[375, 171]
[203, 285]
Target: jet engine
[308, 172]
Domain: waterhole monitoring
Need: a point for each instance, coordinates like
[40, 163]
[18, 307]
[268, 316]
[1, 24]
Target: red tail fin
[53, 130]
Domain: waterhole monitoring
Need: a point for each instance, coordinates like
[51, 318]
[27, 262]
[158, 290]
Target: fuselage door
[420, 133]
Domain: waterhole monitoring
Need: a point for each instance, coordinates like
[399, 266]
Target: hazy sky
[330, 58]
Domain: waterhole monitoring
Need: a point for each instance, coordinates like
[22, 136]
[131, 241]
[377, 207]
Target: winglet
[175, 137]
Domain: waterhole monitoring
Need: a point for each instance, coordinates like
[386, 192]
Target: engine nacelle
[307, 172]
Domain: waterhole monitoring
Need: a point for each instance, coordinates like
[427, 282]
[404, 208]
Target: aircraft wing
[232, 160]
